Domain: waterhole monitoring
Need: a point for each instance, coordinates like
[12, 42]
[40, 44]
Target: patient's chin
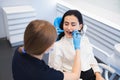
[69, 36]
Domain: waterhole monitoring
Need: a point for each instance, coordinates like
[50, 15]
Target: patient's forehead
[71, 18]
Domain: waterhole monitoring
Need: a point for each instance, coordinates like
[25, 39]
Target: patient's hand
[99, 76]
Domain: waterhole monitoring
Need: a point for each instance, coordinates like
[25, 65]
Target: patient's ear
[80, 27]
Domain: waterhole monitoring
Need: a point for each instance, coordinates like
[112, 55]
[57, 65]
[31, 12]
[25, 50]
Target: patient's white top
[62, 56]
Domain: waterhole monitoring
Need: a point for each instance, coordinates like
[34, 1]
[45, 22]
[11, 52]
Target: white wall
[107, 11]
[111, 5]
[46, 9]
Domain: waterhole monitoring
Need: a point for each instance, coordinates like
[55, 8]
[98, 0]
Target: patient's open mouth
[69, 32]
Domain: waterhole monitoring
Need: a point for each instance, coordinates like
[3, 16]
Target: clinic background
[46, 9]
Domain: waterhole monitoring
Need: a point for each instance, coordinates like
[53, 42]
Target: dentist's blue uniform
[26, 67]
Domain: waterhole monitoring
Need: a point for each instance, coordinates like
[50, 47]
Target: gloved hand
[57, 22]
[76, 39]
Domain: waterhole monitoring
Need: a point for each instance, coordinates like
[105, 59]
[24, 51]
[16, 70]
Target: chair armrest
[106, 67]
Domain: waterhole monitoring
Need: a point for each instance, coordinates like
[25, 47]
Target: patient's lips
[69, 32]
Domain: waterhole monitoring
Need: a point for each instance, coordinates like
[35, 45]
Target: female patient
[38, 39]
[62, 56]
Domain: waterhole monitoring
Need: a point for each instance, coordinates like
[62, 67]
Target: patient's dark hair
[39, 36]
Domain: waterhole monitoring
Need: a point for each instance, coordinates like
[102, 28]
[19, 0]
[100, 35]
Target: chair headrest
[57, 22]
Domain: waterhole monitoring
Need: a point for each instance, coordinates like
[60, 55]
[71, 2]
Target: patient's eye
[73, 23]
[66, 23]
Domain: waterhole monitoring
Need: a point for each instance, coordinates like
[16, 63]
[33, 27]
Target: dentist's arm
[76, 68]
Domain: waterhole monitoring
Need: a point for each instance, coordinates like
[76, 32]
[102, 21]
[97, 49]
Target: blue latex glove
[76, 39]
[57, 22]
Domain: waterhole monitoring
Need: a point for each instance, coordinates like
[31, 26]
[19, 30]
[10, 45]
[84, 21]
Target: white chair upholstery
[105, 69]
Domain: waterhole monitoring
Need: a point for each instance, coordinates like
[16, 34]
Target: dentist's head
[39, 37]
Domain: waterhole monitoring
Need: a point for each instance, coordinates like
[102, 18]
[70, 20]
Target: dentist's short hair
[39, 36]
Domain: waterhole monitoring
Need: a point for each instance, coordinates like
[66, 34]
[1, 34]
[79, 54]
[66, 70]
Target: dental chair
[107, 72]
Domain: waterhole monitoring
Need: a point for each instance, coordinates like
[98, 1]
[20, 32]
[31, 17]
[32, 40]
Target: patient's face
[70, 24]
